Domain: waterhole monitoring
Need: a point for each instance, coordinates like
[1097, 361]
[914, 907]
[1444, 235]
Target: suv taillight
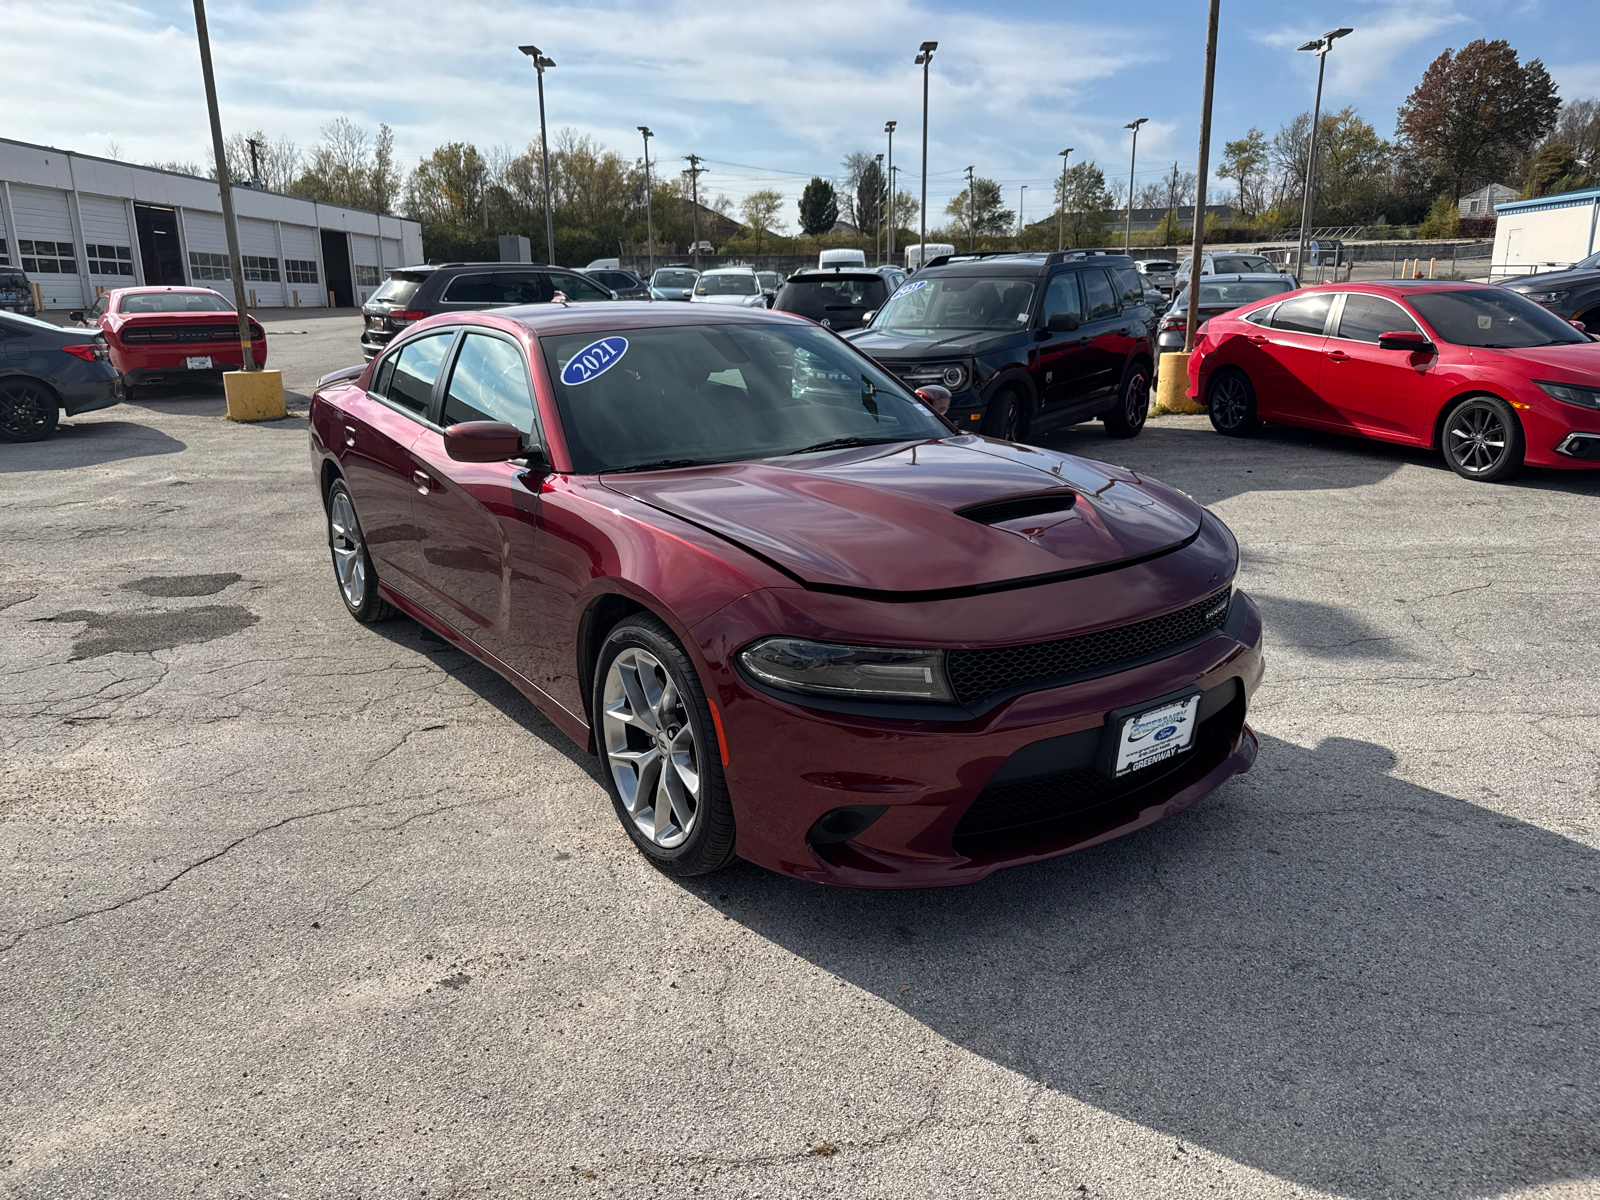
[89, 351]
[404, 316]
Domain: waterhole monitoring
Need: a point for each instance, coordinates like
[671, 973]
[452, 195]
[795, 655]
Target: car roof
[812, 273]
[548, 319]
[1248, 277]
[146, 289]
[728, 271]
[1022, 264]
[1410, 287]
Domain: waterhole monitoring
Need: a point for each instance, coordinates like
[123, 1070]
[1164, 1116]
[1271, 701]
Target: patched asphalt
[293, 906]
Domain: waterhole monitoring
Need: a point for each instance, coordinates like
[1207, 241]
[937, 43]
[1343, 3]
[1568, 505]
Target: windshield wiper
[844, 443]
[661, 464]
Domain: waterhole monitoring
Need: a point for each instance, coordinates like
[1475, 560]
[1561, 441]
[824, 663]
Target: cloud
[1366, 57]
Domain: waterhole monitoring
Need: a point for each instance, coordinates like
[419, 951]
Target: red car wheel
[1231, 402]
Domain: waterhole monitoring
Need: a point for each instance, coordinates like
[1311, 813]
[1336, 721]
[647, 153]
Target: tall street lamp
[888, 127]
[1061, 209]
[540, 62]
[877, 205]
[972, 212]
[1127, 236]
[1320, 47]
[1021, 224]
[649, 221]
[924, 57]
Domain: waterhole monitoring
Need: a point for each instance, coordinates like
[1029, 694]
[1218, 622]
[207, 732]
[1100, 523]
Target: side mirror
[1063, 323]
[483, 441]
[76, 316]
[1579, 326]
[935, 397]
[867, 318]
[1408, 340]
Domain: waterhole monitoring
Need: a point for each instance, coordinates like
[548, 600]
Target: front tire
[1231, 404]
[1133, 403]
[29, 411]
[352, 562]
[1482, 440]
[1006, 417]
[662, 759]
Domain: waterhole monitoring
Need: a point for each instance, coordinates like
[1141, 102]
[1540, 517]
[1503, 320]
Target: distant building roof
[1578, 199]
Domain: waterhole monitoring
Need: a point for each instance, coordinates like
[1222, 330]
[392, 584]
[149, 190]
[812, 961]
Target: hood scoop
[1016, 508]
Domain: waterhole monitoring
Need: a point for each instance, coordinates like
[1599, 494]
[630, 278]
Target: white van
[605, 264]
[841, 259]
[915, 256]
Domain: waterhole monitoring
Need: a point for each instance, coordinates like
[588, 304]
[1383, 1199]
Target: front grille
[975, 674]
[187, 334]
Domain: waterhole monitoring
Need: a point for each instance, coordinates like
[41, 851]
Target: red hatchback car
[799, 616]
[1483, 375]
[164, 334]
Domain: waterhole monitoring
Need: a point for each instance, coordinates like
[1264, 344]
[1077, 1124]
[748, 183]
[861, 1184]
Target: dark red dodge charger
[800, 617]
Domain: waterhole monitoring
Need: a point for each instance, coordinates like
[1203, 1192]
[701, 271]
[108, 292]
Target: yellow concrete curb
[1171, 385]
[254, 395]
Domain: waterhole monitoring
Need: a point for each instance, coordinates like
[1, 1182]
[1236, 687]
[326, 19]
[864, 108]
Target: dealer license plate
[198, 362]
[1156, 734]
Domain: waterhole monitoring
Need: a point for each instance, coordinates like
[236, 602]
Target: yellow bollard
[1171, 386]
[254, 395]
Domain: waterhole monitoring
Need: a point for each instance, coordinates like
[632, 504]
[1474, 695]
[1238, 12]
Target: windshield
[726, 285]
[673, 279]
[398, 288]
[721, 393]
[1157, 265]
[173, 302]
[769, 279]
[1493, 318]
[957, 302]
[1592, 263]
[1232, 295]
[1241, 264]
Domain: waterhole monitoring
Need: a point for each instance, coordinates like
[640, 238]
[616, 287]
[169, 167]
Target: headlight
[950, 375]
[1571, 393]
[1546, 297]
[830, 669]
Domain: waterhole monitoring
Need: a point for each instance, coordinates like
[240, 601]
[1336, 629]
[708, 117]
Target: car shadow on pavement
[86, 444]
[1322, 971]
[1326, 630]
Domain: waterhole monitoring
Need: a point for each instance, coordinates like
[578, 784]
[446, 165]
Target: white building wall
[1525, 241]
[110, 248]
[43, 214]
[364, 258]
[259, 240]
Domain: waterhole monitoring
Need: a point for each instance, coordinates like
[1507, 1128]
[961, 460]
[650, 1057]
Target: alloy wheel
[26, 411]
[651, 748]
[349, 555]
[1477, 438]
[1229, 403]
[1138, 398]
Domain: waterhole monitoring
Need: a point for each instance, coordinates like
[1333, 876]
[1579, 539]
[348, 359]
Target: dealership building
[80, 225]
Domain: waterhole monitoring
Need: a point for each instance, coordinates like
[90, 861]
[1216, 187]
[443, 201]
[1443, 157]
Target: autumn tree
[1245, 161]
[980, 212]
[1477, 112]
[760, 212]
[1087, 205]
[819, 207]
[350, 167]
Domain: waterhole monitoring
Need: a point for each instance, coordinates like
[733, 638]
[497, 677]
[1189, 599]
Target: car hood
[1578, 358]
[919, 347]
[1555, 281]
[883, 520]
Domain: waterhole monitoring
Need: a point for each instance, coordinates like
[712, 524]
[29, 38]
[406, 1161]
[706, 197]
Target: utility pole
[649, 221]
[1133, 157]
[1061, 209]
[255, 161]
[1193, 315]
[972, 214]
[923, 59]
[540, 63]
[225, 186]
[877, 232]
[695, 170]
[1021, 192]
[1320, 47]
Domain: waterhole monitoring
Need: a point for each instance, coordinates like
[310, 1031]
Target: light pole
[972, 213]
[224, 187]
[924, 57]
[1320, 47]
[1061, 209]
[649, 221]
[877, 234]
[1021, 224]
[540, 62]
[694, 203]
[1127, 236]
[888, 127]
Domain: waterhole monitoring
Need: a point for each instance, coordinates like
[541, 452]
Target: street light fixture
[1021, 225]
[1320, 47]
[1133, 157]
[923, 59]
[649, 221]
[888, 127]
[540, 63]
[1061, 209]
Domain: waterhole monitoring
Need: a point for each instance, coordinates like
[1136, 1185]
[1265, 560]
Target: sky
[768, 94]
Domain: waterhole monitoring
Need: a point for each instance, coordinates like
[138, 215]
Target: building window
[110, 260]
[1472, 205]
[208, 266]
[4, 257]
[300, 270]
[366, 276]
[48, 258]
[260, 270]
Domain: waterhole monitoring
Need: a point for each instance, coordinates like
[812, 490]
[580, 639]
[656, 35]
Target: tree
[1553, 168]
[1245, 162]
[447, 186]
[856, 164]
[1443, 219]
[819, 207]
[980, 212]
[871, 195]
[760, 212]
[1086, 204]
[347, 167]
[1476, 112]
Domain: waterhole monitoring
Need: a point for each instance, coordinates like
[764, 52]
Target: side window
[1062, 296]
[100, 305]
[473, 289]
[1366, 317]
[526, 287]
[1303, 314]
[489, 383]
[1262, 316]
[416, 367]
[1097, 295]
[1128, 282]
[575, 287]
[380, 381]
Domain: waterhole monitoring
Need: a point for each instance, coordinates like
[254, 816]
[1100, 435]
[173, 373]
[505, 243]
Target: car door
[1284, 361]
[1105, 332]
[379, 432]
[1060, 356]
[475, 519]
[1383, 393]
[576, 287]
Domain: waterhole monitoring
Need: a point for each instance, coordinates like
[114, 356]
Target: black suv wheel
[1133, 403]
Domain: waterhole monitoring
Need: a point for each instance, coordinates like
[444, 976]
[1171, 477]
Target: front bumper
[943, 820]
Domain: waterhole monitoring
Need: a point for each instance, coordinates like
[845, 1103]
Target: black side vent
[1017, 507]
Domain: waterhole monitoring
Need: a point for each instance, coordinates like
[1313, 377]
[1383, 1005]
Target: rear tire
[1133, 403]
[1006, 416]
[29, 411]
[353, 572]
[1482, 440]
[1231, 403]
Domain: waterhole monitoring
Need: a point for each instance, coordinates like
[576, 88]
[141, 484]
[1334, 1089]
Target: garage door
[364, 250]
[263, 273]
[46, 247]
[107, 242]
[301, 279]
[207, 243]
[392, 256]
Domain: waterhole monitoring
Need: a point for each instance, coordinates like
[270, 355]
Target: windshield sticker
[594, 360]
[1485, 322]
[907, 288]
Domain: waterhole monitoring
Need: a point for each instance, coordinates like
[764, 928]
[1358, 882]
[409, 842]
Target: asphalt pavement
[295, 907]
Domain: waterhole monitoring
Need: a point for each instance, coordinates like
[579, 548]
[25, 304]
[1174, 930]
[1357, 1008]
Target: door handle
[1258, 338]
[1083, 341]
[423, 482]
[1338, 356]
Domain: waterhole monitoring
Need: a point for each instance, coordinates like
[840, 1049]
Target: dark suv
[15, 294]
[1024, 341]
[1573, 294]
[412, 293]
[837, 299]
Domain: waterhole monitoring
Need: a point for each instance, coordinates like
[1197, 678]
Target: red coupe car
[1481, 374]
[164, 334]
[800, 617]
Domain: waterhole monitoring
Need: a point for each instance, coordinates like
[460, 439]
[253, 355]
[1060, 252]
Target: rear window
[673, 279]
[812, 295]
[726, 285]
[1241, 264]
[1303, 314]
[398, 288]
[1232, 295]
[173, 302]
